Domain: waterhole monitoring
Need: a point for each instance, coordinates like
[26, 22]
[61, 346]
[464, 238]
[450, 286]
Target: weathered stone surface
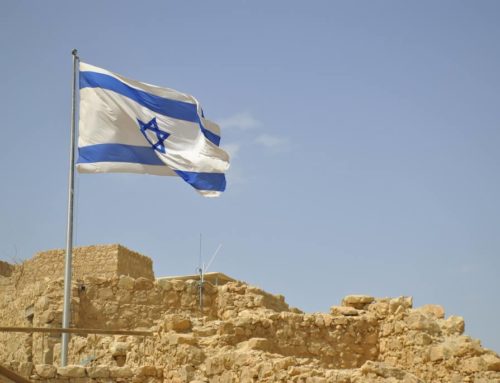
[262, 344]
[400, 304]
[146, 371]
[71, 371]
[186, 373]
[454, 325]
[45, 370]
[75, 380]
[439, 352]
[243, 335]
[178, 285]
[177, 322]
[176, 339]
[420, 322]
[344, 310]
[100, 371]
[142, 283]
[357, 301]
[433, 310]
[25, 368]
[383, 370]
[119, 348]
[474, 364]
[126, 282]
[120, 372]
[492, 362]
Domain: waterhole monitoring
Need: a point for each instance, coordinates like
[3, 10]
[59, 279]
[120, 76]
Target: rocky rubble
[243, 335]
[250, 336]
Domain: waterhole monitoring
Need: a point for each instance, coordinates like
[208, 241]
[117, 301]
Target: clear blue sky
[365, 139]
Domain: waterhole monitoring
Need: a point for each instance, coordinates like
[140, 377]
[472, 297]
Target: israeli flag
[133, 127]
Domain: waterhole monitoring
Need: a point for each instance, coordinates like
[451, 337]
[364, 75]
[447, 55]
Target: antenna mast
[202, 269]
[202, 279]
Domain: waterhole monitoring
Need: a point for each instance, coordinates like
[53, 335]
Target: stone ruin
[244, 334]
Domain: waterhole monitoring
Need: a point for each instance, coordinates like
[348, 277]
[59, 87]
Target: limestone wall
[106, 261]
[364, 340]
[114, 303]
[242, 335]
[32, 295]
[133, 264]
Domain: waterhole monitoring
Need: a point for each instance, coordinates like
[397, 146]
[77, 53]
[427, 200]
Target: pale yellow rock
[126, 282]
[43, 303]
[120, 372]
[344, 310]
[177, 322]
[434, 310]
[178, 285]
[439, 352]
[142, 283]
[214, 365]
[45, 370]
[492, 362]
[175, 339]
[357, 301]
[100, 371]
[146, 370]
[78, 343]
[186, 373]
[72, 371]
[400, 304]
[386, 371]
[464, 346]
[475, 364]
[421, 322]
[26, 368]
[454, 325]
[379, 307]
[248, 375]
[165, 284]
[262, 344]
[119, 348]
[106, 293]
[315, 379]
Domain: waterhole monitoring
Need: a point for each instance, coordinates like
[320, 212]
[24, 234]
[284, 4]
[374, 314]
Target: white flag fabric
[131, 127]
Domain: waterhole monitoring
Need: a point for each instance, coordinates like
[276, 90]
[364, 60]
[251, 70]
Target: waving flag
[133, 127]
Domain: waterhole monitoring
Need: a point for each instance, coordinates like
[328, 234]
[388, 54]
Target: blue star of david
[152, 126]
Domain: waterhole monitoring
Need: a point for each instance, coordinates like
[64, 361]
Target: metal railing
[12, 376]
[53, 330]
[82, 331]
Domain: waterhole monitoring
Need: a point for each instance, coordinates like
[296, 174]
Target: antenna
[199, 254]
[213, 257]
[202, 269]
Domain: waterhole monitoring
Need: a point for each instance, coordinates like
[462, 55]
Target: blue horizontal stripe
[147, 156]
[212, 137]
[204, 181]
[171, 108]
[118, 153]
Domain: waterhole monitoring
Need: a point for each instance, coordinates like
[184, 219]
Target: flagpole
[69, 233]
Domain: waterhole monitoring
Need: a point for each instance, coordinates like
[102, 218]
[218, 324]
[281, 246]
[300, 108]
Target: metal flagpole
[69, 233]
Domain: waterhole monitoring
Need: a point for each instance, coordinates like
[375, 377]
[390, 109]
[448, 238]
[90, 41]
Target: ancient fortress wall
[133, 264]
[31, 294]
[243, 334]
[106, 261]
